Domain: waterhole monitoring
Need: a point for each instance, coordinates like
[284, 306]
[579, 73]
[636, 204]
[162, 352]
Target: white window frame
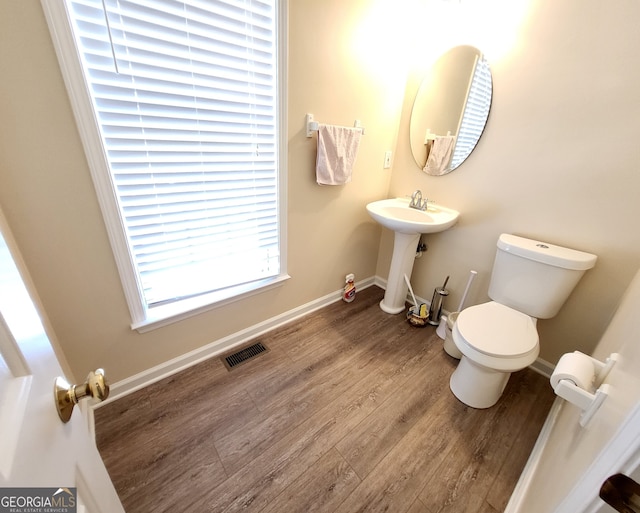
[144, 319]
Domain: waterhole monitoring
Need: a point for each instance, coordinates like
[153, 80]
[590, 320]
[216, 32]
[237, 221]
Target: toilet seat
[496, 331]
[495, 341]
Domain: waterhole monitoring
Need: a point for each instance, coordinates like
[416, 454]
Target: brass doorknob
[67, 396]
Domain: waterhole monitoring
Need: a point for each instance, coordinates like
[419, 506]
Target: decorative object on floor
[435, 308]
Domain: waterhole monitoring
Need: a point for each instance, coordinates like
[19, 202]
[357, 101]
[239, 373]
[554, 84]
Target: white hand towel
[337, 151]
[440, 155]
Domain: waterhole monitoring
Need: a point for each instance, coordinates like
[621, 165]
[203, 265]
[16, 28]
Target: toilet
[530, 280]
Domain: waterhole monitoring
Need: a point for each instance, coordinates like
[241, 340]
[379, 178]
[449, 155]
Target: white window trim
[59, 27]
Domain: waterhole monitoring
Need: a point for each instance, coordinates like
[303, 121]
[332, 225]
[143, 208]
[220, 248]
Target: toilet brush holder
[435, 308]
[441, 330]
[449, 345]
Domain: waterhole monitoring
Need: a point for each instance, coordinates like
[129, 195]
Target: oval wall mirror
[450, 110]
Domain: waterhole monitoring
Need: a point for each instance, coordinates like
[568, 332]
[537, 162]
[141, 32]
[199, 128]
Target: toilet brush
[472, 275]
[413, 296]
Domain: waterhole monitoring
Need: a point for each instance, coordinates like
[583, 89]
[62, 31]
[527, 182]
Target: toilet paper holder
[587, 401]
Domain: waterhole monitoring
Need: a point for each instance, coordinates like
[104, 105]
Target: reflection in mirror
[450, 110]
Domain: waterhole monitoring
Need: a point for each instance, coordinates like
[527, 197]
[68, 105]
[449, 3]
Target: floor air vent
[243, 355]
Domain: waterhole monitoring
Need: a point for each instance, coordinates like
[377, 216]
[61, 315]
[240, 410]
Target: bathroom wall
[559, 159]
[48, 198]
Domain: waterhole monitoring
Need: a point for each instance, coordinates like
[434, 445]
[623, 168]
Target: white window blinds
[475, 113]
[184, 93]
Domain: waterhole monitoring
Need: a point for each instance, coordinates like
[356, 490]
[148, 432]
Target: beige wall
[558, 161]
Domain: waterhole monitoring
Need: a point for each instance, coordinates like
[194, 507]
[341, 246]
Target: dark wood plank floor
[349, 411]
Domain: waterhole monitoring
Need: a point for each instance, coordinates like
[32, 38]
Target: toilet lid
[497, 330]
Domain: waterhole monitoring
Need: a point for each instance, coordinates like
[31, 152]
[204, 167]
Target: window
[185, 101]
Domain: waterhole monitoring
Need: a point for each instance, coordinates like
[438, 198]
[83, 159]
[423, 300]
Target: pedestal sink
[408, 224]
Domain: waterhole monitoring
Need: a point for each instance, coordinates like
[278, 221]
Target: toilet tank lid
[546, 253]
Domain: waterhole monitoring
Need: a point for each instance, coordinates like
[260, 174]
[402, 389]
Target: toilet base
[476, 386]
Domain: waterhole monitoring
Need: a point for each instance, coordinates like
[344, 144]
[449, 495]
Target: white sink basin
[407, 224]
[396, 215]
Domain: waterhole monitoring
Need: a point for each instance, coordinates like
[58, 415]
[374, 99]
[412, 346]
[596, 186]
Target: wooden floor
[349, 411]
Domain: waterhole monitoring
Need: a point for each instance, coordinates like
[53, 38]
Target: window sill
[168, 314]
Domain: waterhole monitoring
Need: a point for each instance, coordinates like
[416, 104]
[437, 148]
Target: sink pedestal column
[404, 254]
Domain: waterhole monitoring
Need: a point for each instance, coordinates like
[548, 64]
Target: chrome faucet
[417, 202]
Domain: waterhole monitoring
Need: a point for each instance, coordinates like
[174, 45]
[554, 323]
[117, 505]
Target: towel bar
[312, 126]
[431, 136]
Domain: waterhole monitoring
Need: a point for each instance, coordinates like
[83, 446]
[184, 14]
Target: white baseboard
[542, 367]
[380, 282]
[136, 382]
[517, 501]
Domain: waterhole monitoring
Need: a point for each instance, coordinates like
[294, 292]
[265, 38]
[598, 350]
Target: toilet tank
[535, 277]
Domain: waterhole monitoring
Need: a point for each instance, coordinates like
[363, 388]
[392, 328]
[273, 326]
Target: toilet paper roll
[576, 367]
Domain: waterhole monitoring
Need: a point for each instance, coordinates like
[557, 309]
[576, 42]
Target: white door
[37, 450]
[570, 463]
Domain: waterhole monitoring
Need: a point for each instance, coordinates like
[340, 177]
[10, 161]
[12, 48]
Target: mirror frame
[441, 107]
